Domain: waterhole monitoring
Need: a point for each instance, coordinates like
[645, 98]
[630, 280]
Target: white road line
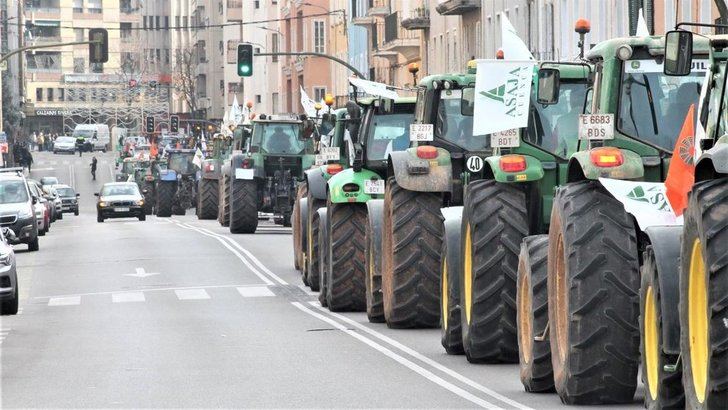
[65, 301]
[400, 359]
[143, 290]
[307, 290]
[421, 357]
[247, 253]
[191, 294]
[54, 162]
[230, 248]
[256, 292]
[111, 172]
[126, 297]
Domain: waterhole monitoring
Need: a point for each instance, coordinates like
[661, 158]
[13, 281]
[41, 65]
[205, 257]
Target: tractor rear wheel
[345, 288]
[373, 269]
[148, 197]
[165, 197]
[495, 221]
[298, 233]
[313, 252]
[411, 240]
[593, 286]
[207, 198]
[663, 389]
[243, 206]
[451, 329]
[532, 301]
[703, 296]
[223, 216]
[323, 245]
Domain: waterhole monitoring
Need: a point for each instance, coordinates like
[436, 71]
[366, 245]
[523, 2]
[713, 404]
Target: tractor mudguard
[346, 177]
[316, 182]
[238, 172]
[580, 164]
[302, 224]
[211, 169]
[167, 175]
[453, 220]
[421, 175]
[713, 161]
[533, 171]
[666, 242]
[375, 214]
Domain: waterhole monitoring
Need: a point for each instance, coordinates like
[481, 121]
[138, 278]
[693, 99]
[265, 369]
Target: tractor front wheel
[207, 200]
[165, 198]
[345, 288]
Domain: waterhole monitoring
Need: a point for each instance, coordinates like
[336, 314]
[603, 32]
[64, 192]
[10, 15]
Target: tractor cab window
[181, 163]
[452, 125]
[652, 105]
[555, 128]
[127, 167]
[280, 138]
[387, 133]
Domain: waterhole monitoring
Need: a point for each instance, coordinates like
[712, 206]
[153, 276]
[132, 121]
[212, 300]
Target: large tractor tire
[704, 297]
[495, 221]
[451, 266]
[323, 245]
[296, 220]
[313, 252]
[223, 216]
[532, 301]
[148, 198]
[345, 288]
[411, 241]
[373, 262]
[593, 286]
[165, 198]
[243, 206]
[663, 389]
[207, 204]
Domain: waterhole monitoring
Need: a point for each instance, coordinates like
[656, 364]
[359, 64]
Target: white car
[64, 144]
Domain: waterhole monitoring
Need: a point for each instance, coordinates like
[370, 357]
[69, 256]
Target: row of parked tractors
[519, 253]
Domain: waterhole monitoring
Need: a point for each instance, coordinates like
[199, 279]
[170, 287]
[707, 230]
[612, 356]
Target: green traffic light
[244, 69]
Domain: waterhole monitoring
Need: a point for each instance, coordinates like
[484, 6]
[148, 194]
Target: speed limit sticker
[475, 164]
[596, 126]
[505, 139]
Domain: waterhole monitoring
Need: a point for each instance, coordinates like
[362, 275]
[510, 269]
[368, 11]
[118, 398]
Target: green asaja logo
[496, 93]
[652, 196]
[513, 92]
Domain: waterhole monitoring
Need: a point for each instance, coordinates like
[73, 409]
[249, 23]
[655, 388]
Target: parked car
[64, 144]
[120, 200]
[42, 207]
[17, 208]
[52, 195]
[69, 198]
[8, 275]
[48, 181]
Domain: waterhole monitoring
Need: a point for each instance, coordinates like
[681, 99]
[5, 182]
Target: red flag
[681, 175]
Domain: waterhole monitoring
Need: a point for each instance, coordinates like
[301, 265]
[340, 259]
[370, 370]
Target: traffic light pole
[33, 47]
[312, 54]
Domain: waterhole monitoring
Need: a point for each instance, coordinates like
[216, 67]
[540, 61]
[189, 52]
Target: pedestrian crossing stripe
[254, 291]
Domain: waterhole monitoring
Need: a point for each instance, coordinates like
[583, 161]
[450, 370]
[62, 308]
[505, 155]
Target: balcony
[398, 40]
[418, 19]
[457, 7]
[363, 21]
[234, 10]
[378, 8]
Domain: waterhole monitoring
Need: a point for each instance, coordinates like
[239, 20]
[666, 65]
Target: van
[87, 132]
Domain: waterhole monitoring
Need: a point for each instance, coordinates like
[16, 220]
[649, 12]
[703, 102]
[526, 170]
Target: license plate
[596, 126]
[505, 139]
[242, 173]
[121, 209]
[374, 187]
[421, 132]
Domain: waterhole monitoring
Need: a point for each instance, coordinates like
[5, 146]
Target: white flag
[646, 201]
[309, 105]
[642, 30]
[513, 47]
[236, 114]
[374, 89]
[502, 95]
[197, 160]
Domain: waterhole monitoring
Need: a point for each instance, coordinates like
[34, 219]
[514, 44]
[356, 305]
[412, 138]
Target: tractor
[208, 200]
[239, 139]
[264, 177]
[176, 183]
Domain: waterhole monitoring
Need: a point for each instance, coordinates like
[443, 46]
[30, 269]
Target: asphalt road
[177, 312]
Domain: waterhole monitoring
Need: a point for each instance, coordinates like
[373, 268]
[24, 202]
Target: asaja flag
[681, 175]
[197, 160]
[502, 95]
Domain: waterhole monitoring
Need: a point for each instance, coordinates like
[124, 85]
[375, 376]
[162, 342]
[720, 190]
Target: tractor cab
[272, 135]
[181, 161]
[384, 128]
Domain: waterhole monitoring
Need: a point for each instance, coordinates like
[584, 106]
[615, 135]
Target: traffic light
[173, 123]
[245, 60]
[150, 125]
[99, 47]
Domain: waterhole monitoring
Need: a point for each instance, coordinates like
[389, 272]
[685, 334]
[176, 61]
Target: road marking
[230, 248]
[145, 290]
[421, 357]
[65, 301]
[54, 162]
[141, 273]
[400, 359]
[191, 294]
[43, 169]
[125, 297]
[256, 292]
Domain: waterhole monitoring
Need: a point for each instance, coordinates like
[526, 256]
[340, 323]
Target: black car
[120, 200]
[8, 275]
[69, 198]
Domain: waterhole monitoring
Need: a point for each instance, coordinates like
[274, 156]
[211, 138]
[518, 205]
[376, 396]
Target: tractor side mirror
[549, 82]
[352, 109]
[678, 53]
[95, 194]
[467, 102]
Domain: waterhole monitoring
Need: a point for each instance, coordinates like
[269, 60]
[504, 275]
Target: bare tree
[185, 77]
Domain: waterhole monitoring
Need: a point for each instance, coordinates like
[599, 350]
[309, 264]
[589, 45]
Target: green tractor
[239, 139]
[507, 197]
[144, 178]
[264, 177]
[381, 129]
[208, 186]
[634, 113]
[127, 169]
[175, 188]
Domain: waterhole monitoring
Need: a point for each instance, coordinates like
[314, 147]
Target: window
[39, 94]
[166, 56]
[94, 6]
[319, 93]
[159, 55]
[61, 94]
[257, 50]
[258, 99]
[78, 32]
[125, 6]
[125, 31]
[49, 94]
[274, 46]
[97, 68]
[157, 19]
[274, 102]
[78, 6]
[176, 22]
[166, 22]
[257, 4]
[79, 65]
[319, 37]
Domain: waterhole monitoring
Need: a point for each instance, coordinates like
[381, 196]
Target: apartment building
[12, 77]
[302, 32]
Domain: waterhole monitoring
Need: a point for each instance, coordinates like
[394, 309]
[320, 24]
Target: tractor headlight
[624, 52]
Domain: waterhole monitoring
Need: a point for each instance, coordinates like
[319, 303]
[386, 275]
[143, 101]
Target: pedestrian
[41, 141]
[33, 141]
[93, 168]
